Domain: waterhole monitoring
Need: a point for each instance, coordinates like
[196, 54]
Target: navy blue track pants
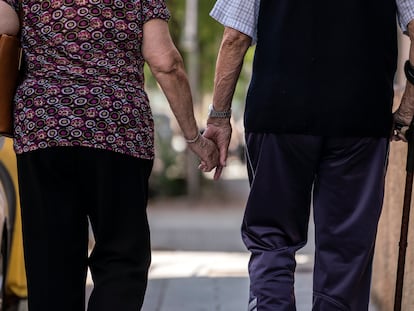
[343, 179]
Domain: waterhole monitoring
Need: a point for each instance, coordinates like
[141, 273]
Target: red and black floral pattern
[84, 84]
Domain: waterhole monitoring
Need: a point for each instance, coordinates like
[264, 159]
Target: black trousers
[59, 189]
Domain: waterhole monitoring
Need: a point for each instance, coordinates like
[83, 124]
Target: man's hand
[219, 131]
[404, 114]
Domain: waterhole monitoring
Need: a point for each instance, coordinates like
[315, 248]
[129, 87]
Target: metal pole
[403, 243]
[405, 219]
[190, 46]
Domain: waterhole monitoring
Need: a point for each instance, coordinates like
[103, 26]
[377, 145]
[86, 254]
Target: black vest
[323, 67]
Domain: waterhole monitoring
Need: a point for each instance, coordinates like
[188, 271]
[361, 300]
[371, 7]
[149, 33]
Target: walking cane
[405, 217]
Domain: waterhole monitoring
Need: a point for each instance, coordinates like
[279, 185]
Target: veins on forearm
[228, 68]
[225, 85]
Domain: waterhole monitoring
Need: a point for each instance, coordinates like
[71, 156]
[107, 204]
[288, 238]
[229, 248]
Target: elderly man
[84, 139]
[318, 121]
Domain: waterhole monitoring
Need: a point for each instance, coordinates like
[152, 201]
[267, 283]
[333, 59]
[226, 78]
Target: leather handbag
[10, 56]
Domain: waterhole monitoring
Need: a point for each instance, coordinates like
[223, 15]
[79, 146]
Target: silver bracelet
[192, 141]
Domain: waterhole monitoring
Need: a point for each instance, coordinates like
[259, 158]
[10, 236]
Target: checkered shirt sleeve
[241, 15]
[405, 13]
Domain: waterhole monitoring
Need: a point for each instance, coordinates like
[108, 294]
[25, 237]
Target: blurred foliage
[168, 173]
[209, 37]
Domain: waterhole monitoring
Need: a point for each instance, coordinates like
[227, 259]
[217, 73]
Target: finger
[395, 137]
[217, 173]
[398, 125]
[223, 155]
[401, 136]
[404, 129]
[223, 158]
[202, 166]
[401, 133]
[206, 167]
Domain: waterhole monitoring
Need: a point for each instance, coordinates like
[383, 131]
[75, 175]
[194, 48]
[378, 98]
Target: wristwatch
[218, 114]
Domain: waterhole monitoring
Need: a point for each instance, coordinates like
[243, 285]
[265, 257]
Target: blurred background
[199, 261]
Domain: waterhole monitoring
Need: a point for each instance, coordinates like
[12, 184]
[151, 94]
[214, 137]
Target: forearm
[228, 67]
[174, 83]
[167, 67]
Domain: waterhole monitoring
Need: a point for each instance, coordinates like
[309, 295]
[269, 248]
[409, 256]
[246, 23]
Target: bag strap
[20, 32]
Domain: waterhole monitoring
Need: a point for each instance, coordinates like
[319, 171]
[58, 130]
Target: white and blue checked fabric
[405, 13]
[242, 15]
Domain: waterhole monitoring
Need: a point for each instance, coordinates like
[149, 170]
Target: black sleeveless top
[323, 67]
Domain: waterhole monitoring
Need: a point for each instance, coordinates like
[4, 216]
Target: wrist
[218, 121]
[217, 114]
[194, 139]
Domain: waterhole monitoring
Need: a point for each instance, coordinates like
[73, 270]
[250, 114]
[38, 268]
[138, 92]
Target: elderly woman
[83, 136]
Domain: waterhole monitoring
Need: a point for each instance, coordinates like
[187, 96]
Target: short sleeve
[241, 15]
[154, 9]
[405, 13]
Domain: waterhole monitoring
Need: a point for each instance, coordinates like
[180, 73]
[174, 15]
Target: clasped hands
[212, 146]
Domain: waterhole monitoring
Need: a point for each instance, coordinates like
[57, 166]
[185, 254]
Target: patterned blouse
[84, 84]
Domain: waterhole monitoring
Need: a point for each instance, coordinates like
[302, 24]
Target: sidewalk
[207, 281]
[199, 261]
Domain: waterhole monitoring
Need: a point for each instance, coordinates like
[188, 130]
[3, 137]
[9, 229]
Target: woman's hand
[208, 153]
